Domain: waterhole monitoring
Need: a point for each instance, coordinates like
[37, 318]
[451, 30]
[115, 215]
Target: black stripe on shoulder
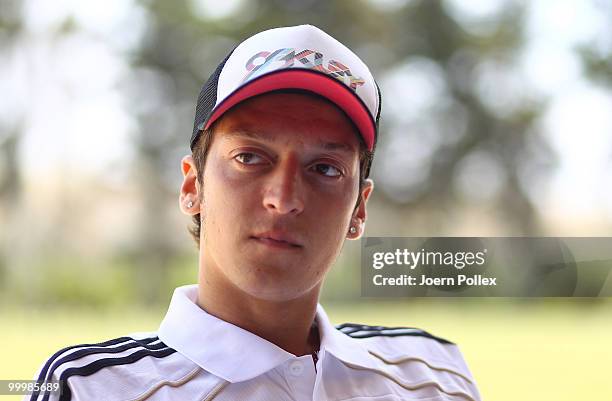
[96, 366]
[355, 330]
[43, 373]
[88, 349]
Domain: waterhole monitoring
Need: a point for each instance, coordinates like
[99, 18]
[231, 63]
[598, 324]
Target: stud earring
[190, 204]
[352, 230]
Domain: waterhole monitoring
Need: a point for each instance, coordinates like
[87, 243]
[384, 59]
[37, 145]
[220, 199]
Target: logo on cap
[265, 61]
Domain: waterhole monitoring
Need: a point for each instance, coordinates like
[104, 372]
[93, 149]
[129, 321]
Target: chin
[275, 294]
[272, 283]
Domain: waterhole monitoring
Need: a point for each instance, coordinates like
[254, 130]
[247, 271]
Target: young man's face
[279, 191]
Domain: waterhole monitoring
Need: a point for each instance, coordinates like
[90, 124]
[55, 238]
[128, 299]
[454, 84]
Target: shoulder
[128, 364]
[414, 355]
[358, 330]
[401, 340]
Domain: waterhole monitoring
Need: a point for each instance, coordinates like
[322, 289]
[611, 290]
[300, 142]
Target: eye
[249, 158]
[327, 170]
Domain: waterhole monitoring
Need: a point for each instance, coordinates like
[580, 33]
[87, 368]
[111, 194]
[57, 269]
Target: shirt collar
[235, 354]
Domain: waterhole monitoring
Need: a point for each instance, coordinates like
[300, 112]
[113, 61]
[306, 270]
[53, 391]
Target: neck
[289, 324]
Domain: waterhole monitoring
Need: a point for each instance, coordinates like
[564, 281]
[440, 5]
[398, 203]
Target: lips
[278, 239]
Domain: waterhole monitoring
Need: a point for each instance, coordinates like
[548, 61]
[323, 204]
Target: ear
[359, 215]
[190, 191]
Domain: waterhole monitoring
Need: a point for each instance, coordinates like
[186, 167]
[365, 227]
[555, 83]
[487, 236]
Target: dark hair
[200, 152]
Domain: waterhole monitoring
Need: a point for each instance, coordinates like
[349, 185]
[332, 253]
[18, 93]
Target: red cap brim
[312, 81]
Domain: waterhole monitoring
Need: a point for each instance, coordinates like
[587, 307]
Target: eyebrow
[339, 146]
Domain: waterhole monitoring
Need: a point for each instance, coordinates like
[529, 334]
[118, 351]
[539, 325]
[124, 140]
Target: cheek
[226, 199]
[336, 205]
[220, 185]
[331, 218]
[215, 196]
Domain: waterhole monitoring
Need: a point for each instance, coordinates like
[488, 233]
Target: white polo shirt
[196, 356]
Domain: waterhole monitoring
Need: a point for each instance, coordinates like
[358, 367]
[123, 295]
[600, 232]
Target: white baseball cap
[298, 57]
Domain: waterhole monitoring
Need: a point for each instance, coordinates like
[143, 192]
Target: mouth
[277, 240]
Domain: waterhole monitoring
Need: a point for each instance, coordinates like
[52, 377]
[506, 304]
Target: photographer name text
[462, 279]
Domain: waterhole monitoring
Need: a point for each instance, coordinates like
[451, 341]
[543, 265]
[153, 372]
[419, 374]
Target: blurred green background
[496, 122]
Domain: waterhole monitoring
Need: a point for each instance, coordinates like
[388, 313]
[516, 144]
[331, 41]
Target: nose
[284, 190]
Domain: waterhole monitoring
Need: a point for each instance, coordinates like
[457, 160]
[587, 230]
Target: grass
[544, 350]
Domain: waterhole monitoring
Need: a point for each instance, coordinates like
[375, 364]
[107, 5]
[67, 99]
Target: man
[282, 144]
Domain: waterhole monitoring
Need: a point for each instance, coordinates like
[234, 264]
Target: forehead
[291, 116]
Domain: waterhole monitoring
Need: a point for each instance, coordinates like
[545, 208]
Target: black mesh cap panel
[206, 101]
